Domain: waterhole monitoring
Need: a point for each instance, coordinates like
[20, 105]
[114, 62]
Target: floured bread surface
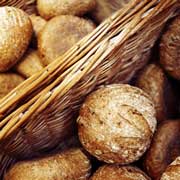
[116, 123]
[15, 35]
[115, 172]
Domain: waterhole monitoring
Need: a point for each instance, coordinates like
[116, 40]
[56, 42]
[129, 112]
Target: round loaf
[105, 8]
[165, 147]
[60, 34]
[29, 64]
[51, 8]
[116, 123]
[115, 172]
[170, 49]
[8, 81]
[38, 23]
[15, 35]
[154, 82]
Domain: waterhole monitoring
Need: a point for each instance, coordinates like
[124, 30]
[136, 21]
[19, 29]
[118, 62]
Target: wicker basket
[41, 112]
[27, 5]
[5, 163]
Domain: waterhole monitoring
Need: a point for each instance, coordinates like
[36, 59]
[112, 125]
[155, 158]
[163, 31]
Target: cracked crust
[15, 34]
[116, 123]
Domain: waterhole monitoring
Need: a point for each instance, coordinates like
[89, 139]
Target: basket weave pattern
[5, 163]
[41, 112]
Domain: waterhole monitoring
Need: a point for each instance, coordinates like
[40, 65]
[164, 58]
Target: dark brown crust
[170, 49]
[52, 8]
[115, 172]
[60, 34]
[154, 82]
[164, 149]
[69, 165]
[15, 35]
[112, 125]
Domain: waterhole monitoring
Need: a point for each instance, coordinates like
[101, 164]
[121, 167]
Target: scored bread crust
[116, 123]
[15, 34]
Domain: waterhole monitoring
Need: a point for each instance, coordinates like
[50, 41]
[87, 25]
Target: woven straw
[41, 112]
[5, 163]
[27, 5]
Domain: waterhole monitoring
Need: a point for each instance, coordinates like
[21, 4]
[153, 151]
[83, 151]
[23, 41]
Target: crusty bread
[105, 8]
[52, 8]
[8, 81]
[60, 34]
[115, 172]
[116, 123]
[170, 49]
[15, 34]
[173, 171]
[72, 164]
[29, 64]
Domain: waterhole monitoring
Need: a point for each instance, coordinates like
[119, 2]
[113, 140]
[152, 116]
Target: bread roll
[69, 165]
[8, 81]
[154, 82]
[165, 147]
[38, 23]
[60, 34]
[51, 8]
[15, 34]
[105, 8]
[170, 49]
[116, 123]
[29, 64]
[115, 172]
